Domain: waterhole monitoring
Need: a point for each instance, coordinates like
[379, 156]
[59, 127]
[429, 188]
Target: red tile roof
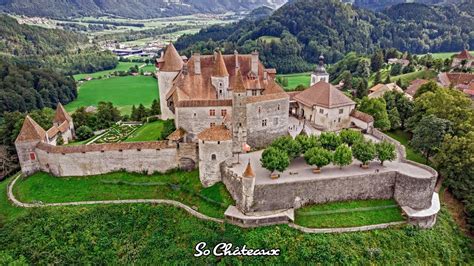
[323, 94]
[216, 133]
[61, 115]
[249, 171]
[31, 131]
[464, 55]
[172, 61]
[415, 85]
[362, 116]
[220, 70]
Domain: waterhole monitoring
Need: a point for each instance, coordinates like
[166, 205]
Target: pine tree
[387, 80]
[155, 108]
[378, 78]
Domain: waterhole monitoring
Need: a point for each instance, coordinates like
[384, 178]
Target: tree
[347, 79]
[308, 142]
[430, 86]
[387, 80]
[275, 159]
[394, 117]
[84, 132]
[377, 108]
[318, 156]
[107, 115]
[362, 88]
[385, 151]
[350, 137]
[168, 128]
[378, 78]
[376, 61]
[82, 118]
[400, 84]
[429, 134]
[330, 140]
[155, 107]
[396, 70]
[342, 156]
[403, 105]
[59, 140]
[364, 151]
[288, 145]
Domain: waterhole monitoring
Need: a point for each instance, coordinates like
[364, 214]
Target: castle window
[32, 156]
[213, 157]
[259, 109]
[220, 84]
[223, 112]
[218, 142]
[341, 111]
[194, 114]
[279, 107]
[213, 124]
[264, 122]
[339, 120]
[321, 111]
[275, 121]
[212, 112]
[254, 93]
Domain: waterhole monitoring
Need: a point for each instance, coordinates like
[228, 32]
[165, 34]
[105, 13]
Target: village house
[463, 59]
[414, 86]
[460, 81]
[379, 90]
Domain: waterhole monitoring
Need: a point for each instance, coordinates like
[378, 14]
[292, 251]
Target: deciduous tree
[275, 159]
[342, 156]
[385, 151]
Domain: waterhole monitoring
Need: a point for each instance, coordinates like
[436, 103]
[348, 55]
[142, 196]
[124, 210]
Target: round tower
[169, 66]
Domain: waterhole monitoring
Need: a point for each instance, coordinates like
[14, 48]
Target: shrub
[350, 137]
[385, 151]
[318, 156]
[168, 128]
[364, 151]
[84, 132]
[330, 140]
[275, 159]
[342, 156]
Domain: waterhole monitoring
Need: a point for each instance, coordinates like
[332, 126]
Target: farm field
[446, 55]
[122, 66]
[294, 80]
[123, 92]
[349, 214]
[409, 77]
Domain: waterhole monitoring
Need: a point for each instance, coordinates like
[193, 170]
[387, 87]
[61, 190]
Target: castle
[224, 106]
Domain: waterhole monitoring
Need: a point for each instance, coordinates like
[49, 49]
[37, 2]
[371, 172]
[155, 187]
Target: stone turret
[64, 123]
[220, 77]
[30, 135]
[170, 64]
[320, 73]
[248, 188]
[239, 114]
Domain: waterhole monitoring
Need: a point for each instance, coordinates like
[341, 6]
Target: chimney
[255, 62]
[237, 63]
[197, 63]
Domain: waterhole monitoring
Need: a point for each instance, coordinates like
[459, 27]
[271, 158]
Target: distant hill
[383, 4]
[129, 9]
[308, 28]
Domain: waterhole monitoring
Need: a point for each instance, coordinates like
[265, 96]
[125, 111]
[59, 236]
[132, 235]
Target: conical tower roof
[31, 131]
[249, 171]
[172, 61]
[61, 115]
[220, 69]
[238, 85]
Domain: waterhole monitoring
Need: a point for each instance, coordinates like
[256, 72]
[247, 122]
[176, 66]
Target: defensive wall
[139, 157]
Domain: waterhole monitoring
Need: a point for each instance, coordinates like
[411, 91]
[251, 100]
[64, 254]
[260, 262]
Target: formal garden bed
[117, 133]
[184, 187]
[349, 214]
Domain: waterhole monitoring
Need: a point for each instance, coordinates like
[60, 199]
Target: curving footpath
[18, 203]
[178, 204]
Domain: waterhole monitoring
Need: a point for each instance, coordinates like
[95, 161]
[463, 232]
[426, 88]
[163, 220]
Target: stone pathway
[18, 203]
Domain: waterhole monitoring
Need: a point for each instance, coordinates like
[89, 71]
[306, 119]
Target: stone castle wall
[87, 160]
[195, 119]
[275, 113]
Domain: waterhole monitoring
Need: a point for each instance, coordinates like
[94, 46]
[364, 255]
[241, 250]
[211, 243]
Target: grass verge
[148, 132]
[184, 187]
[349, 214]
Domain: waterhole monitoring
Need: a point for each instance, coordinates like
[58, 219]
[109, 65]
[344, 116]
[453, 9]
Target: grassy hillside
[122, 66]
[123, 92]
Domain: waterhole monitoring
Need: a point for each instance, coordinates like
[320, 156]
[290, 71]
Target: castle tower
[170, 64]
[320, 73]
[220, 77]
[239, 113]
[30, 135]
[248, 188]
[64, 122]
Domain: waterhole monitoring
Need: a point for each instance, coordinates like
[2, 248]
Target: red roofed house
[460, 81]
[464, 56]
[414, 86]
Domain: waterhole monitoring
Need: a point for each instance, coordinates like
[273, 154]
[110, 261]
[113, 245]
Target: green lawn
[122, 66]
[404, 138]
[446, 55]
[349, 214]
[297, 79]
[148, 132]
[269, 39]
[123, 92]
[181, 186]
[409, 77]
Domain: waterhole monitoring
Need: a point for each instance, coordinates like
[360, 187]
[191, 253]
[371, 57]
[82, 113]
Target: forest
[302, 30]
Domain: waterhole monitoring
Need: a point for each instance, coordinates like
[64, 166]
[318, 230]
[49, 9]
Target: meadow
[123, 92]
[148, 132]
[122, 66]
[446, 55]
[294, 80]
